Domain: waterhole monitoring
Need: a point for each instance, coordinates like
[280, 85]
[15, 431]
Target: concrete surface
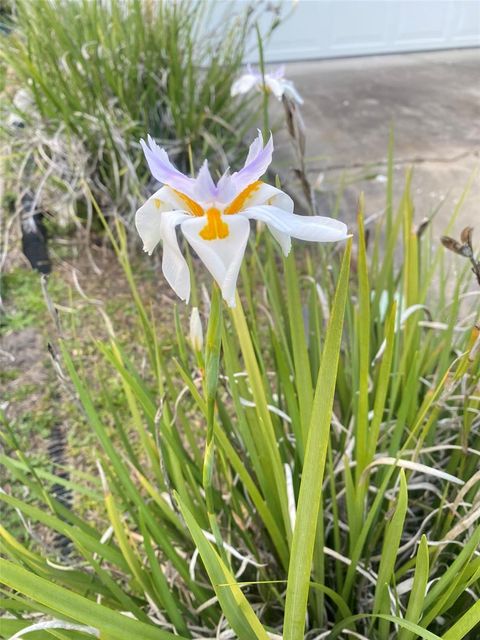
[433, 102]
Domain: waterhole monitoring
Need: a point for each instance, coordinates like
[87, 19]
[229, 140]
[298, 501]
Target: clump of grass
[22, 301]
[345, 438]
[100, 75]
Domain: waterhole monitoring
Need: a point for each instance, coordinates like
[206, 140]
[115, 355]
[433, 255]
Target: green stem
[212, 363]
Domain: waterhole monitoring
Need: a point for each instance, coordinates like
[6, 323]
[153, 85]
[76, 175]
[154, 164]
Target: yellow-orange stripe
[237, 203]
[193, 206]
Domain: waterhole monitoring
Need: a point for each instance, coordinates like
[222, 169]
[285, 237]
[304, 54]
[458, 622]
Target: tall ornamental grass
[340, 399]
[93, 75]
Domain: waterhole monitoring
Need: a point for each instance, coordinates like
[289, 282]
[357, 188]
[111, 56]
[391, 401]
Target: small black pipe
[34, 237]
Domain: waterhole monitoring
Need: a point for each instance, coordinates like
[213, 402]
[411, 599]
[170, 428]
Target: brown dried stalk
[296, 130]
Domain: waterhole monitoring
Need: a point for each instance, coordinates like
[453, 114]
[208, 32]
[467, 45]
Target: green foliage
[103, 74]
[23, 300]
[342, 478]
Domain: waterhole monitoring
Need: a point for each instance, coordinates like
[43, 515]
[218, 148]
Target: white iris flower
[275, 82]
[214, 218]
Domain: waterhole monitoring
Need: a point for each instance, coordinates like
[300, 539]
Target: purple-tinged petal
[163, 170]
[279, 73]
[252, 71]
[205, 188]
[226, 188]
[258, 160]
[254, 149]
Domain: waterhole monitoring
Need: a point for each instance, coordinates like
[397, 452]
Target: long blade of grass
[315, 454]
[405, 624]
[419, 588]
[235, 606]
[111, 623]
[467, 622]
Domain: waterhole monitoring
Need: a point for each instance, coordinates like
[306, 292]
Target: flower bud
[196, 330]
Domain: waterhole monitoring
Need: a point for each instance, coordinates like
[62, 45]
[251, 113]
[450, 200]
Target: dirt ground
[38, 406]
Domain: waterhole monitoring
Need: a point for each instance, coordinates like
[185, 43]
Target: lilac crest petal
[256, 164]
[279, 73]
[163, 170]
[205, 188]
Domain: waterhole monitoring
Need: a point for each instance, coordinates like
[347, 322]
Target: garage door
[334, 28]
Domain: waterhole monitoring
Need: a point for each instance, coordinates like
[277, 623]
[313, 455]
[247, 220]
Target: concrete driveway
[433, 102]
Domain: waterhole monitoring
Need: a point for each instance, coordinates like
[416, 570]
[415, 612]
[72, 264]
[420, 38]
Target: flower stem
[212, 363]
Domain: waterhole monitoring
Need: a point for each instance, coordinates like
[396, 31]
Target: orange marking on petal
[237, 203]
[193, 206]
[157, 202]
[215, 228]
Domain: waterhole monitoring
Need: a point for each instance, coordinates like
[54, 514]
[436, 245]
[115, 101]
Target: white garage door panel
[421, 24]
[466, 23]
[353, 27]
[333, 28]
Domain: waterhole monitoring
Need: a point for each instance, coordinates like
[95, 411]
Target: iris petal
[258, 160]
[147, 220]
[311, 228]
[244, 84]
[222, 257]
[155, 223]
[205, 188]
[268, 195]
[174, 266]
[164, 171]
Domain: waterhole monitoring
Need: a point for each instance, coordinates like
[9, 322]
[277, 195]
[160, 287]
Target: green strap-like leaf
[419, 588]
[467, 622]
[235, 606]
[315, 454]
[109, 623]
[405, 624]
[391, 543]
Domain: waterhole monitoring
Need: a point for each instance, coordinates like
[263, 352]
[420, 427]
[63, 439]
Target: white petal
[243, 84]
[283, 239]
[174, 265]
[268, 195]
[155, 222]
[289, 89]
[275, 86]
[311, 228]
[147, 218]
[222, 257]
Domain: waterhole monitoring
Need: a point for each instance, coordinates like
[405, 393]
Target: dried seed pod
[422, 226]
[466, 236]
[451, 244]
